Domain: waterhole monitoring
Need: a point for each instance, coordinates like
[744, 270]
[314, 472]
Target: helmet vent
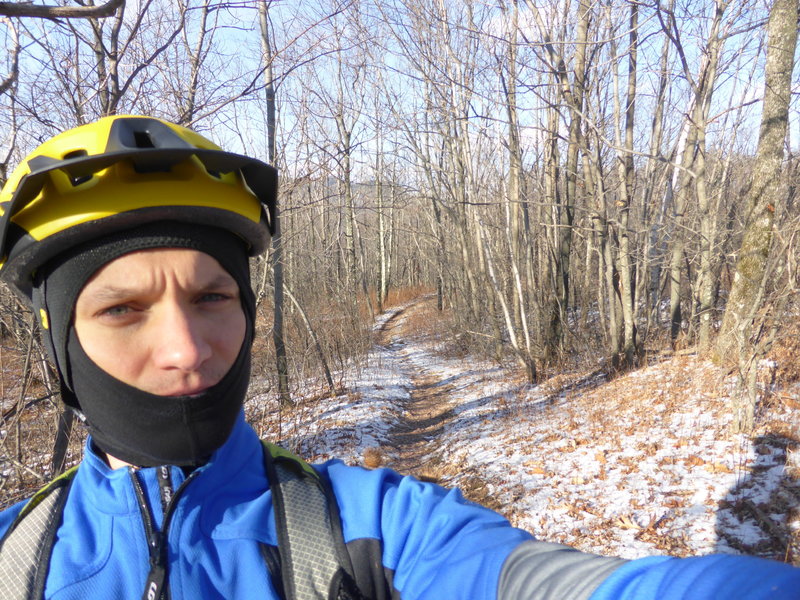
[76, 180]
[142, 139]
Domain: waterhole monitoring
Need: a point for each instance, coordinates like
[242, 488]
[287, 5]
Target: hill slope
[643, 464]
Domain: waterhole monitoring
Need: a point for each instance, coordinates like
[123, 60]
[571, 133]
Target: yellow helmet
[124, 171]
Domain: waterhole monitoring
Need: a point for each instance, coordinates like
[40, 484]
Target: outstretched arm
[544, 571]
[714, 577]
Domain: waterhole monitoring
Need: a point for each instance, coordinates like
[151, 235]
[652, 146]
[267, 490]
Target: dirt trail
[414, 437]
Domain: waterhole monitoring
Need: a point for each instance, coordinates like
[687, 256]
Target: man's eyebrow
[109, 292]
[112, 292]
[221, 280]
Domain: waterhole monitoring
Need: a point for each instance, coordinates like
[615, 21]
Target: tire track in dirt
[414, 438]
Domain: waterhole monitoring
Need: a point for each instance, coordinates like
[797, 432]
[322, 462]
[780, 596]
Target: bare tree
[573, 95]
[197, 52]
[282, 366]
[763, 195]
[691, 181]
[626, 190]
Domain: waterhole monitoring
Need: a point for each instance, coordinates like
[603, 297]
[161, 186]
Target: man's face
[167, 321]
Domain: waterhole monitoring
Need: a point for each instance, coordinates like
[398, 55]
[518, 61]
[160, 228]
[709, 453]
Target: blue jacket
[419, 530]
[408, 540]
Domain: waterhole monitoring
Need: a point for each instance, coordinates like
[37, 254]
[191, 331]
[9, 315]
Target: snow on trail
[345, 426]
[640, 465]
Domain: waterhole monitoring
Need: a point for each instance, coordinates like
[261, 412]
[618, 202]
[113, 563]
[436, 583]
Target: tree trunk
[686, 151]
[705, 280]
[626, 175]
[380, 292]
[197, 56]
[64, 423]
[513, 198]
[763, 194]
[281, 361]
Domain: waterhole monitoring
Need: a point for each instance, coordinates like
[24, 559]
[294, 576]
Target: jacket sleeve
[423, 541]
[544, 571]
[713, 577]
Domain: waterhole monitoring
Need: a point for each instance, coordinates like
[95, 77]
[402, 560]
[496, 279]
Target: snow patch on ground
[641, 465]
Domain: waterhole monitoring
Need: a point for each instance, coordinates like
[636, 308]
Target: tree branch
[6, 84]
[19, 9]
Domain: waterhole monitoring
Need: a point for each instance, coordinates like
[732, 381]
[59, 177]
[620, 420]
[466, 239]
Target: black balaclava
[134, 426]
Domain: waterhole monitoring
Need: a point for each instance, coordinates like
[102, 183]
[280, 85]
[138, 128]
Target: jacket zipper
[156, 584]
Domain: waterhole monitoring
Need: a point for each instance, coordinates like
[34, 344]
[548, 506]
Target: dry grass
[786, 353]
[373, 458]
[344, 336]
[399, 296]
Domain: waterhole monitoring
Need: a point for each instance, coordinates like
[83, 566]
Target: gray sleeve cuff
[544, 571]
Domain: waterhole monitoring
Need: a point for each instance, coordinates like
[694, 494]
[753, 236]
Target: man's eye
[213, 297]
[116, 311]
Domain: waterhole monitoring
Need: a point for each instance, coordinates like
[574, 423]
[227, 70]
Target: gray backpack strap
[26, 548]
[314, 560]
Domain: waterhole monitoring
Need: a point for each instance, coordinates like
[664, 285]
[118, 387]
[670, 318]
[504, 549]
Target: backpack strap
[315, 564]
[27, 545]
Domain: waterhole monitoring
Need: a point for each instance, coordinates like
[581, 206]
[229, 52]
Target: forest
[575, 182]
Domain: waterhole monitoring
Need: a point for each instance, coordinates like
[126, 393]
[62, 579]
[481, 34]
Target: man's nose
[182, 342]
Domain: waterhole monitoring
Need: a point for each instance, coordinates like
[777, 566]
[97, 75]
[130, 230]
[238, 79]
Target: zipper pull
[154, 587]
[156, 543]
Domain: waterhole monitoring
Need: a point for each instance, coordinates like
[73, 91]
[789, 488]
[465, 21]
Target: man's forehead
[142, 268]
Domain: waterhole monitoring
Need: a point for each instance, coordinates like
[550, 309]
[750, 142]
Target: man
[131, 237]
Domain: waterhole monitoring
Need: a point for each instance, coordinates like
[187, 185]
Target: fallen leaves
[625, 522]
[718, 468]
[694, 461]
